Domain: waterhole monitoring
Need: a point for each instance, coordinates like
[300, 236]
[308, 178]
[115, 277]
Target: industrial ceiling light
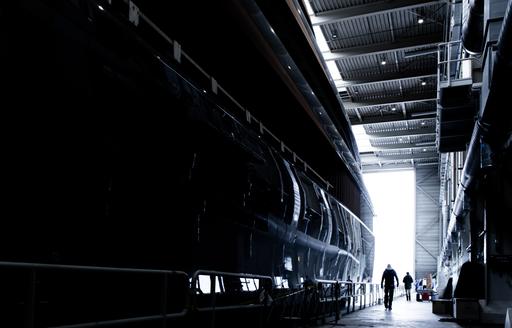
[393, 109]
[334, 34]
[383, 60]
[421, 20]
[423, 83]
[423, 123]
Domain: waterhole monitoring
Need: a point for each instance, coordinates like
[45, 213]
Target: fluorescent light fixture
[423, 114]
[421, 20]
[393, 109]
[423, 123]
[383, 62]
[427, 143]
[423, 83]
[101, 8]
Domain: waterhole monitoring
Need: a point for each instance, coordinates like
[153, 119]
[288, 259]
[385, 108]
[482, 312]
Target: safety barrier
[214, 292]
[453, 72]
[360, 294]
[326, 299]
[211, 297]
[35, 271]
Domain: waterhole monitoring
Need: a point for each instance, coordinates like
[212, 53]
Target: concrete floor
[404, 314]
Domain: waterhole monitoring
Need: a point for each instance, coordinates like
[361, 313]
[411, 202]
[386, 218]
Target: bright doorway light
[393, 196]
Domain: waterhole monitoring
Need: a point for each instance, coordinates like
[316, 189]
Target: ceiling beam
[391, 166]
[409, 146]
[383, 102]
[343, 83]
[424, 155]
[358, 115]
[372, 160]
[371, 156]
[431, 40]
[375, 8]
[406, 142]
[393, 133]
[383, 78]
[401, 146]
[395, 117]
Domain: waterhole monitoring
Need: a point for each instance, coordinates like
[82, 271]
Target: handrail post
[439, 71]
[364, 295]
[164, 300]
[31, 300]
[353, 297]
[213, 280]
[336, 297]
[449, 64]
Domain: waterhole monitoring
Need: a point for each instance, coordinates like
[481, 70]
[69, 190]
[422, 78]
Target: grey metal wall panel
[427, 221]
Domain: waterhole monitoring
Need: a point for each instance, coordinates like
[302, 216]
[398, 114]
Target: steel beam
[383, 102]
[370, 9]
[387, 118]
[384, 78]
[378, 48]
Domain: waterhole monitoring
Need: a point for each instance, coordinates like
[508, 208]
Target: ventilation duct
[473, 26]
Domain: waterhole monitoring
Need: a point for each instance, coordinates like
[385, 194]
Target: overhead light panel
[426, 143]
[423, 114]
[421, 20]
[383, 60]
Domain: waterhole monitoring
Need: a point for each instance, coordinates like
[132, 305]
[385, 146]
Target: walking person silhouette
[408, 285]
[389, 285]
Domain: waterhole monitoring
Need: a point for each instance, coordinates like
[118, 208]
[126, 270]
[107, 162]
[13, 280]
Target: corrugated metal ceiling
[382, 28]
[369, 66]
[320, 6]
[388, 64]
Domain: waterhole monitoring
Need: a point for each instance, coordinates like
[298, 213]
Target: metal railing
[224, 291]
[327, 299]
[34, 270]
[456, 71]
[223, 284]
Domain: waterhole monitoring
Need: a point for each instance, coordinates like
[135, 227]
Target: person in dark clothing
[389, 285]
[408, 284]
